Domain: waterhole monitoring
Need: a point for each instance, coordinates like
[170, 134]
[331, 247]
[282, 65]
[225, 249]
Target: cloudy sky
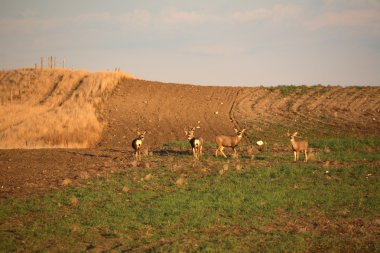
[219, 42]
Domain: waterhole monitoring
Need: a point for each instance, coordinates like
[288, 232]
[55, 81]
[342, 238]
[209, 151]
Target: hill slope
[52, 108]
[78, 109]
[164, 110]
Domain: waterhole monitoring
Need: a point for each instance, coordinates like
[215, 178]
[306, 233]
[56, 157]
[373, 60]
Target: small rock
[66, 181]
[74, 201]
[148, 177]
[134, 164]
[145, 151]
[84, 175]
[205, 170]
[180, 181]
[125, 189]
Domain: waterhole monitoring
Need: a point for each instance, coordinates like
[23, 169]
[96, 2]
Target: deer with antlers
[137, 143]
[223, 141]
[298, 146]
[195, 142]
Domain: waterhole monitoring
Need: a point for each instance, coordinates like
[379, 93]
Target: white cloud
[366, 19]
[139, 17]
[30, 24]
[340, 4]
[174, 17]
[278, 13]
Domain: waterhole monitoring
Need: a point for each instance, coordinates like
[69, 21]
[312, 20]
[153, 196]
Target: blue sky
[239, 42]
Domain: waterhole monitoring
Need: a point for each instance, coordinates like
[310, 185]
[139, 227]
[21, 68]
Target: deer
[195, 142]
[137, 143]
[223, 141]
[298, 146]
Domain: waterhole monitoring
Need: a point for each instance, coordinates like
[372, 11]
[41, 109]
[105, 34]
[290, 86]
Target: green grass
[271, 205]
[287, 90]
[349, 149]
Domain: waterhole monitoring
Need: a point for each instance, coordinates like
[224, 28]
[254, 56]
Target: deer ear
[295, 134]
[185, 132]
[138, 133]
[236, 130]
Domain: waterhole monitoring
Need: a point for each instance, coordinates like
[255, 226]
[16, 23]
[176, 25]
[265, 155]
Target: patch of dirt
[164, 111]
[26, 173]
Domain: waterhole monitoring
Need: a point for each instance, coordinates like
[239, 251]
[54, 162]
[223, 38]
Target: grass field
[171, 203]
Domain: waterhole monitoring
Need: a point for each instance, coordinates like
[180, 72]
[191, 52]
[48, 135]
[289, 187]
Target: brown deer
[137, 143]
[298, 146]
[195, 142]
[223, 141]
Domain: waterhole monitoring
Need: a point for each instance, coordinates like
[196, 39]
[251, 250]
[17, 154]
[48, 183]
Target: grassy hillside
[52, 108]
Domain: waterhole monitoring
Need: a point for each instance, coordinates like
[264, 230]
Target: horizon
[265, 43]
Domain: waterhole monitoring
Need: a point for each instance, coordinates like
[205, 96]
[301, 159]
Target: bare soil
[165, 109]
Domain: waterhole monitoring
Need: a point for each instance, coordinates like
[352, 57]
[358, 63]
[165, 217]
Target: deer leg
[216, 151]
[197, 153]
[221, 151]
[295, 155]
[235, 152]
[305, 155]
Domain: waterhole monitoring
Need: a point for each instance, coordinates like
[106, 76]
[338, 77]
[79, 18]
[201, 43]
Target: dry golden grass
[53, 108]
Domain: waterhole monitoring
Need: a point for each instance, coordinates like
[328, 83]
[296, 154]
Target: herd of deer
[222, 141]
